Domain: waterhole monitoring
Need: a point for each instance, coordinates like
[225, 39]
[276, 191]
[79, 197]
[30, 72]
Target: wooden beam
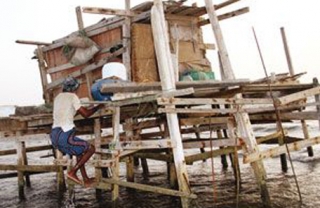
[135, 87]
[149, 188]
[29, 42]
[298, 96]
[226, 16]
[108, 11]
[273, 152]
[213, 101]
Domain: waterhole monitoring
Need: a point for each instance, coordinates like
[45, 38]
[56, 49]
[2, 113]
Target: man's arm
[87, 112]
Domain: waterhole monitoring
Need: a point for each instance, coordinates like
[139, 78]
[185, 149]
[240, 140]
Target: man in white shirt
[66, 106]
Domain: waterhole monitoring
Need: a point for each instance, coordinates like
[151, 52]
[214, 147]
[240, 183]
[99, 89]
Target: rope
[278, 116]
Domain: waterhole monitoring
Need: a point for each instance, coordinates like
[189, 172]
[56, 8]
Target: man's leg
[80, 165]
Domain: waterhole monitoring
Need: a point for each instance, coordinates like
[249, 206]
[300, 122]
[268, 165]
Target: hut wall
[55, 58]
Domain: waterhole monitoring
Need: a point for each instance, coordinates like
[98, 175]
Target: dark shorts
[67, 142]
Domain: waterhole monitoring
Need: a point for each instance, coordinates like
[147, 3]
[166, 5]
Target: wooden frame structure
[171, 105]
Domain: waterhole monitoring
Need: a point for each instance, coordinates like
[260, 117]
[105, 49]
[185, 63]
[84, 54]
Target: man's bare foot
[74, 178]
[89, 182]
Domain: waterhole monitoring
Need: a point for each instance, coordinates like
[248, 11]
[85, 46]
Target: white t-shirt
[65, 107]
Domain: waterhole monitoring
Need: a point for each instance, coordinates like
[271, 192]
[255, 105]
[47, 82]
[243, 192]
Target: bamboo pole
[166, 71]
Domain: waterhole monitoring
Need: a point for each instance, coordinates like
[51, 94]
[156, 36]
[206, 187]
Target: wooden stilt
[61, 185]
[234, 157]
[166, 72]
[283, 157]
[307, 136]
[25, 162]
[242, 119]
[116, 166]
[145, 168]
[128, 128]
[20, 161]
[97, 144]
[224, 161]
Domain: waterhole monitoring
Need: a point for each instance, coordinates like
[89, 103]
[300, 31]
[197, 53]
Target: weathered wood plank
[149, 188]
[273, 152]
[298, 96]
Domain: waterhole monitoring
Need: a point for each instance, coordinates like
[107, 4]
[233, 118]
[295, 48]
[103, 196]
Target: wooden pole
[115, 168]
[25, 162]
[97, 144]
[243, 122]
[20, 161]
[226, 64]
[128, 128]
[43, 73]
[61, 184]
[88, 74]
[126, 33]
[166, 71]
[286, 49]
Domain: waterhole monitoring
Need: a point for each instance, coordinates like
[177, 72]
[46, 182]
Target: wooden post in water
[25, 162]
[242, 119]
[166, 71]
[20, 162]
[61, 184]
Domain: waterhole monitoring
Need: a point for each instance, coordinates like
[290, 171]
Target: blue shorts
[67, 142]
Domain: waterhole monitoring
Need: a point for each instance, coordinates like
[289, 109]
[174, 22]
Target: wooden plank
[209, 154]
[29, 168]
[149, 188]
[298, 96]
[195, 121]
[142, 99]
[273, 152]
[203, 143]
[208, 101]
[60, 68]
[151, 144]
[109, 11]
[134, 87]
